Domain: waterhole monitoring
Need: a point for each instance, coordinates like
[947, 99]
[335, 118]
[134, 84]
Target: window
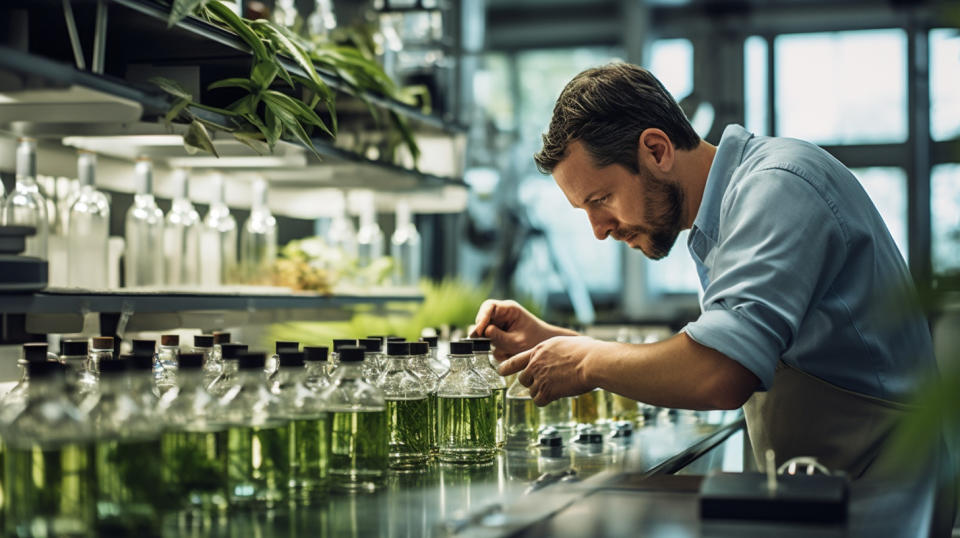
[671, 61]
[944, 84]
[887, 188]
[945, 218]
[755, 85]
[832, 87]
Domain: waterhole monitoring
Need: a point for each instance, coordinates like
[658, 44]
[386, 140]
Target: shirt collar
[728, 157]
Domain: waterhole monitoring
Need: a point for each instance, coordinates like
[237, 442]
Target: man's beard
[663, 208]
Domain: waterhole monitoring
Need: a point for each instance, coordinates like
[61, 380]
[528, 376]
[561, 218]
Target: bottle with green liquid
[373, 361]
[484, 364]
[257, 438]
[358, 417]
[408, 409]
[466, 411]
[523, 417]
[48, 470]
[227, 377]
[420, 365]
[309, 427]
[335, 356]
[316, 368]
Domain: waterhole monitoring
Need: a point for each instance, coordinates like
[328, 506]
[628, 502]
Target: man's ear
[655, 150]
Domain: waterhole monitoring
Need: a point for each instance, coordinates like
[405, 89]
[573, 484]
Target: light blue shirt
[797, 264]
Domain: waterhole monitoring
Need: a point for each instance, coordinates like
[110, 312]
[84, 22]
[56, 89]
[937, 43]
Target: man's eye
[602, 200]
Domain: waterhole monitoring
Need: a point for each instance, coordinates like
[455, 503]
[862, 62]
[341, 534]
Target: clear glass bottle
[309, 427]
[88, 229]
[181, 236]
[358, 423]
[258, 240]
[203, 344]
[335, 356]
[130, 494]
[523, 418]
[141, 380]
[590, 408]
[372, 359]
[405, 248]
[342, 234]
[558, 414]
[315, 366]
[257, 437]
[34, 352]
[369, 237]
[438, 363]
[81, 382]
[408, 409]
[144, 232]
[213, 367]
[466, 411]
[147, 348]
[194, 455]
[101, 349]
[483, 363]
[227, 378]
[273, 362]
[420, 364]
[166, 367]
[48, 478]
[218, 240]
[26, 205]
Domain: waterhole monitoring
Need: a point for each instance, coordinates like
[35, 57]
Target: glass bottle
[127, 457]
[342, 234]
[358, 418]
[405, 248]
[466, 411]
[523, 418]
[214, 365]
[203, 344]
[408, 409]
[48, 478]
[227, 378]
[141, 380]
[80, 381]
[273, 362]
[181, 236]
[218, 240]
[335, 356]
[88, 229]
[26, 205]
[166, 367]
[144, 232]
[369, 237]
[148, 348]
[258, 437]
[315, 367]
[258, 240]
[34, 352]
[483, 363]
[194, 455]
[590, 407]
[420, 364]
[101, 350]
[372, 359]
[309, 429]
[558, 414]
[438, 363]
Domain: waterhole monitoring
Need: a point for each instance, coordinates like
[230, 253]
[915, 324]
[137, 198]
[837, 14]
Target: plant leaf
[183, 8]
[274, 128]
[175, 110]
[240, 27]
[243, 106]
[263, 73]
[198, 137]
[404, 129]
[296, 108]
[171, 86]
[254, 141]
[292, 126]
[286, 44]
[233, 83]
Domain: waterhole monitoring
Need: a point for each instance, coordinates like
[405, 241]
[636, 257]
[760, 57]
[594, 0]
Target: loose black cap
[35, 352]
[480, 344]
[251, 360]
[351, 354]
[395, 349]
[372, 345]
[112, 367]
[138, 363]
[340, 342]
[315, 353]
[231, 351]
[203, 340]
[221, 338]
[290, 359]
[44, 369]
[431, 340]
[461, 348]
[73, 347]
[144, 347]
[190, 361]
[419, 348]
[285, 345]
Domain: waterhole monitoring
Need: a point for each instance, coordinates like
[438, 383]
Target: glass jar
[143, 229]
[373, 360]
[167, 357]
[203, 344]
[483, 363]
[466, 411]
[227, 377]
[523, 418]
[408, 409]
[88, 227]
[273, 362]
[26, 205]
[335, 356]
[420, 365]
[80, 382]
[439, 364]
[315, 367]
[35, 352]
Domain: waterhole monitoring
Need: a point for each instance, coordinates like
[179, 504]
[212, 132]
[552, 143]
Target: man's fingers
[495, 334]
[484, 315]
[516, 363]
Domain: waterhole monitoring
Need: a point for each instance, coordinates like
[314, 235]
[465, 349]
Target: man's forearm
[676, 372]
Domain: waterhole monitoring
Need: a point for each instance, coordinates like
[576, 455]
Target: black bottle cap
[430, 340]
[35, 352]
[462, 347]
[251, 360]
[112, 367]
[290, 359]
[144, 347]
[285, 345]
[622, 429]
[550, 437]
[372, 345]
[340, 342]
[396, 349]
[203, 340]
[138, 363]
[351, 354]
[588, 436]
[419, 348]
[480, 344]
[231, 351]
[221, 338]
[315, 353]
[44, 369]
[73, 348]
[382, 338]
[396, 339]
[190, 361]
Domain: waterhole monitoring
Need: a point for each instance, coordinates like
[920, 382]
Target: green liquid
[468, 429]
[590, 407]
[500, 397]
[523, 422]
[434, 427]
[558, 414]
[51, 491]
[258, 464]
[195, 468]
[358, 449]
[623, 408]
[409, 432]
[309, 452]
[130, 492]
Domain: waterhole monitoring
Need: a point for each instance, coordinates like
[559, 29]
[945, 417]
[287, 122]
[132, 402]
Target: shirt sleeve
[780, 246]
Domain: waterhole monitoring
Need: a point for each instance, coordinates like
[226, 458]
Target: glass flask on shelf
[101, 349]
[408, 409]
[315, 368]
[213, 366]
[466, 411]
[81, 382]
[258, 239]
[420, 365]
[48, 477]
[358, 426]
[369, 236]
[405, 248]
[227, 378]
[25, 205]
[523, 417]
[181, 236]
[203, 344]
[143, 230]
[342, 234]
[34, 352]
[88, 229]
[167, 357]
[483, 364]
[218, 239]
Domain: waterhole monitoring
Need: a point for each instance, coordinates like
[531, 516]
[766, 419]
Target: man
[806, 312]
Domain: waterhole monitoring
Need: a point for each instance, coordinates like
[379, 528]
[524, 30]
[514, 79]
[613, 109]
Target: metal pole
[74, 36]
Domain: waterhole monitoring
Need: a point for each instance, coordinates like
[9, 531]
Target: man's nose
[602, 226]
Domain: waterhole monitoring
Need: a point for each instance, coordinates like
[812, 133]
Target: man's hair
[606, 108]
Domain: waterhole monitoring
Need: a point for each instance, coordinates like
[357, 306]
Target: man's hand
[554, 368]
[511, 328]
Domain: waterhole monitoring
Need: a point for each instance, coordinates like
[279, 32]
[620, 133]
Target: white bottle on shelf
[218, 239]
[405, 248]
[26, 206]
[342, 233]
[370, 236]
[181, 240]
[143, 231]
[258, 240]
[88, 229]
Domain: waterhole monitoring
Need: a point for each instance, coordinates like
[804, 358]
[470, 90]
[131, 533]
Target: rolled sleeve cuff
[739, 339]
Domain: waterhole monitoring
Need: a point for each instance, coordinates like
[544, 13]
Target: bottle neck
[349, 370]
[47, 388]
[314, 368]
[144, 173]
[86, 169]
[26, 161]
[460, 362]
[397, 363]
